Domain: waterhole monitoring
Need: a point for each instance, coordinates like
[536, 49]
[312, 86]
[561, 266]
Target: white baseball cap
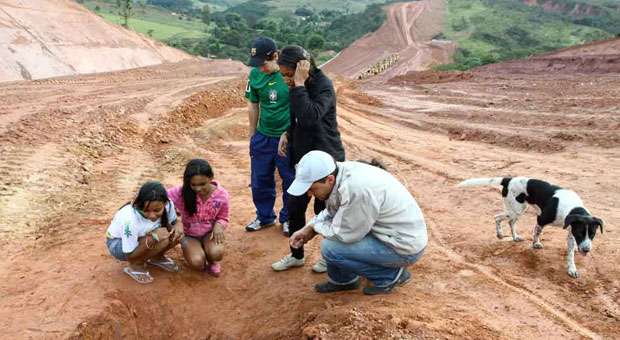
[312, 167]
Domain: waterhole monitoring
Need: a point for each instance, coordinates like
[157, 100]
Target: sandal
[215, 269]
[165, 263]
[142, 277]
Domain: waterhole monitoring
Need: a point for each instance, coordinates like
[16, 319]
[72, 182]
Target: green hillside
[488, 31]
[323, 26]
[155, 21]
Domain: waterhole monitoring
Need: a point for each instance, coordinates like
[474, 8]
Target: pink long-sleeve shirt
[208, 213]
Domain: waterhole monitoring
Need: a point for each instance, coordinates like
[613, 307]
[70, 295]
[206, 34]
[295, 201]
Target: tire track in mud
[32, 179]
[553, 310]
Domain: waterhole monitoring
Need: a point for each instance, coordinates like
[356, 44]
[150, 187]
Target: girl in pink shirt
[203, 207]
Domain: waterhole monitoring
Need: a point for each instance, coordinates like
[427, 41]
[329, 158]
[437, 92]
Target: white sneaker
[285, 229]
[287, 262]
[256, 225]
[320, 266]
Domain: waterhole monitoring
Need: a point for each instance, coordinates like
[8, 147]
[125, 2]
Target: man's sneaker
[320, 266]
[287, 262]
[328, 287]
[404, 278]
[285, 229]
[256, 225]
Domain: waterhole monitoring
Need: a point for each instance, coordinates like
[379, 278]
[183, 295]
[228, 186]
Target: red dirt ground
[73, 149]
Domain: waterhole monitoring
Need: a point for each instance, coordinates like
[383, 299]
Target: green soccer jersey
[271, 92]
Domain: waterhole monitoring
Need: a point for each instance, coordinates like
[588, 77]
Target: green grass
[162, 23]
[489, 31]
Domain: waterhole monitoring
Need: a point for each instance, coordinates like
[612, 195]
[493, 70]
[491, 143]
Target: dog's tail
[475, 182]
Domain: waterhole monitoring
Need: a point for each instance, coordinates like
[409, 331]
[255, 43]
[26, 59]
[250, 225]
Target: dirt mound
[598, 57]
[50, 38]
[407, 33]
[430, 77]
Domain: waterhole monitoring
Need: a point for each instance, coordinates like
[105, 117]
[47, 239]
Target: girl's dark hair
[149, 192]
[194, 167]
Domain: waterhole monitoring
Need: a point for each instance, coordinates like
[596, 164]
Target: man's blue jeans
[369, 258]
[264, 161]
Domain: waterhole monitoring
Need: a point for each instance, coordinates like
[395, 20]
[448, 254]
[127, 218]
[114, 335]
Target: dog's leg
[536, 244]
[513, 229]
[498, 224]
[570, 257]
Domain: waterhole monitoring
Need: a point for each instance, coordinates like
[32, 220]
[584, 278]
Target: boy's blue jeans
[369, 258]
[264, 161]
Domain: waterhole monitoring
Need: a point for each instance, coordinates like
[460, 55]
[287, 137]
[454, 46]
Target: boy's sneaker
[328, 287]
[287, 262]
[320, 266]
[256, 225]
[404, 278]
[285, 229]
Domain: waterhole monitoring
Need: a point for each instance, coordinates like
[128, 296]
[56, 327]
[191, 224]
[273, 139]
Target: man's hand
[302, 72]
[217, 234]
[282, 145]
[302, 236]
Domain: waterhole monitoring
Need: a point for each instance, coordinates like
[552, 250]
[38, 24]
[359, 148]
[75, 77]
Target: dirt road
[408, 32]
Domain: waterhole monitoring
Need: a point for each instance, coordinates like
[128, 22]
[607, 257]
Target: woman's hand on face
[282, 145]
[302, 72]
[217, 235]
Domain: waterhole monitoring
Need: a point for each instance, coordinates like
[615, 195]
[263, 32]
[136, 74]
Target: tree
[315, 42]
[304, 12]
[125, 10]
[142, 5]
[206, 15]
[174, 5]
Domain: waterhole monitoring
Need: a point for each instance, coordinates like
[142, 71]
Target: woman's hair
[149, 192]
[194, 167]
[290, 55]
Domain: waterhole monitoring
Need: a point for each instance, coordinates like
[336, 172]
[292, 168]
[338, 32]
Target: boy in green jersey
[269, 118]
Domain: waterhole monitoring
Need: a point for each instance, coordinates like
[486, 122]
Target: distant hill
[59, 37]
[488, 31]
[603, 14]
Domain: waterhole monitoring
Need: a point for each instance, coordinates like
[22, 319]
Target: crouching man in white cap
[372, 225]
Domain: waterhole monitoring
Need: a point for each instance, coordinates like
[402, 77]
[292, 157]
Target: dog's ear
[599, 222]
[570, 219]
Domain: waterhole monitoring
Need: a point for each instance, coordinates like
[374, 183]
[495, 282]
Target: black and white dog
[556, 206]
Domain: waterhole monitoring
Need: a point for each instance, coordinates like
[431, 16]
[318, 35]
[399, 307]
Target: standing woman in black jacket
[313, 127]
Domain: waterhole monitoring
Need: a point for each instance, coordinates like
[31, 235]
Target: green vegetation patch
[489, 31]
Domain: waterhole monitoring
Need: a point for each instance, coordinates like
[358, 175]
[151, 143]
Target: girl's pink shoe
[214, 269]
